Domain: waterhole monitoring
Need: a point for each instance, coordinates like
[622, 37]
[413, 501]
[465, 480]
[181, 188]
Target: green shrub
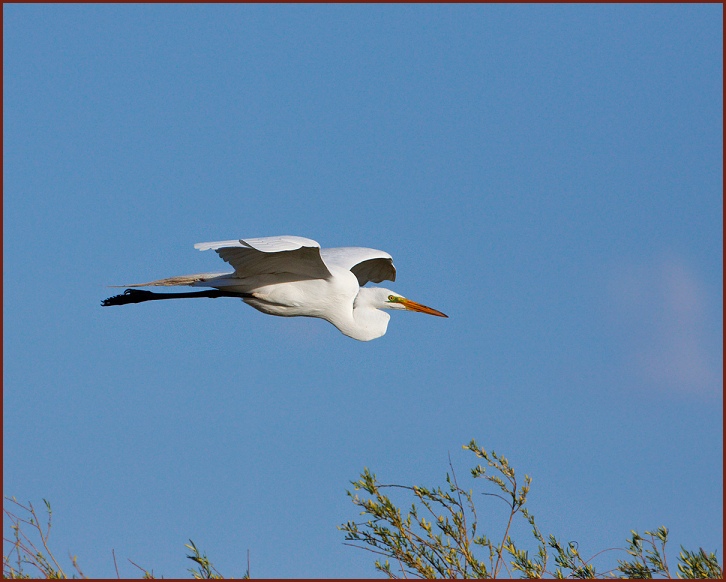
[438, 537]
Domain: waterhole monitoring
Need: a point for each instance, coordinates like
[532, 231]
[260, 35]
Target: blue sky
[549, 176]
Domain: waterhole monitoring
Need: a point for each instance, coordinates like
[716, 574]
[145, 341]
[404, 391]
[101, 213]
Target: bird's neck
[364, 323]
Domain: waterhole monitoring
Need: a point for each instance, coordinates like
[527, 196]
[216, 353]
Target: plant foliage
[27, 554]
[439, 537]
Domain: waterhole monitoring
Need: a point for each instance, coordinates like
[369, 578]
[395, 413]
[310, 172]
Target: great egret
[292, 276]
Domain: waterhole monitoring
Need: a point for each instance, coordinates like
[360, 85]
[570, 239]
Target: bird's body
[292, 276]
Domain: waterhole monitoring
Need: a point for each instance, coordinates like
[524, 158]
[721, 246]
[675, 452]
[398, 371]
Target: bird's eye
[394, 299]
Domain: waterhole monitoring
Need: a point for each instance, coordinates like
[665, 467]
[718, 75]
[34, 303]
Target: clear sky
[550, 177]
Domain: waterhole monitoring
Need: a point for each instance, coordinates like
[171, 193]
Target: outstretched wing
[272, 255]
[366, 264]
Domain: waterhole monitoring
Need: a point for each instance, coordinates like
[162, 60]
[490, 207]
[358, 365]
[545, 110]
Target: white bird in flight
[292, 276]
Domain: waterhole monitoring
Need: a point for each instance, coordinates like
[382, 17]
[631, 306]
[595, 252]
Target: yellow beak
[413, 306]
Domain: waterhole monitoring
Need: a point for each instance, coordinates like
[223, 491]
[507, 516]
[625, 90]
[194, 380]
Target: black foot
[129, 296]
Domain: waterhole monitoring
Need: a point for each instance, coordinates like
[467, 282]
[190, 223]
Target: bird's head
[387, 299]
[370, 317]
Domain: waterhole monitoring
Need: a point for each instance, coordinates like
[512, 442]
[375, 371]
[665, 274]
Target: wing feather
[274, 255]
[366, 264]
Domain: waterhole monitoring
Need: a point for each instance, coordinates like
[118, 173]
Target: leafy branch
[438, 536]
[27, 552]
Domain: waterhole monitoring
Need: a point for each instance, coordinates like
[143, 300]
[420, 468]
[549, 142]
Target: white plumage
[292, 276]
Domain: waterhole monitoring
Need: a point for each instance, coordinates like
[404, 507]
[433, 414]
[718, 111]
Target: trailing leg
[139, 296]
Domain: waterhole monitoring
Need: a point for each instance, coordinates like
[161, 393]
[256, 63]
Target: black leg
[139, 296]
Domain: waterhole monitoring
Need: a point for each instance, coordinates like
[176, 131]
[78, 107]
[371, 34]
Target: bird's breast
[327, 298]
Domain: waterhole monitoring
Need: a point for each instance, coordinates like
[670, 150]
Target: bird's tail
[189, 280]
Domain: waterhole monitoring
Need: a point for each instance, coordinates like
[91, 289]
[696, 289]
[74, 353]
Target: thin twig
[44, 539]
[115, 565]
[506, 531]
[146, 572]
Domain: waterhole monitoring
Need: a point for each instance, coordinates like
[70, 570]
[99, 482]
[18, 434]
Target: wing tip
[214, 245]
[275, 244]
[269, 244]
